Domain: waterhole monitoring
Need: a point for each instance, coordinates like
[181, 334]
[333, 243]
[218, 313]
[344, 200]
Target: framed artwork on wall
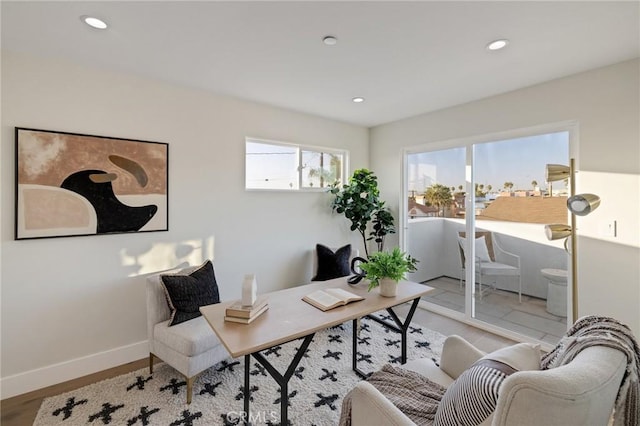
[70, 184]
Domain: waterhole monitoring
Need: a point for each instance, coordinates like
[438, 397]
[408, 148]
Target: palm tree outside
[438, 195]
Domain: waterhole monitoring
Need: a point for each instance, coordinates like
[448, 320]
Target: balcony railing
[433, 241]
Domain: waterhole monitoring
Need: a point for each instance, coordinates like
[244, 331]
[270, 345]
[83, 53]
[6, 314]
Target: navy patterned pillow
[186, 293]
[332, 265]
[473, 396]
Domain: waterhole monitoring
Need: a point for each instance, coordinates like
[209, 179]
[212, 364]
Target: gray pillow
[187, 293]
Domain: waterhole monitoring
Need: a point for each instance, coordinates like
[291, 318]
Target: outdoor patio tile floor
[502, 308]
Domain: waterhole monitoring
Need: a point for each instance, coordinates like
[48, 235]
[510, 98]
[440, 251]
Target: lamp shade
[555, 172]
[583, 204]
[557, 231]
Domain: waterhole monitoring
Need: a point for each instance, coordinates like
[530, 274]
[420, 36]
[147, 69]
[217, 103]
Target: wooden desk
[289, 318]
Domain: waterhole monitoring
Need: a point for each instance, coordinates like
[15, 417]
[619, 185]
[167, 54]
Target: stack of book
[246, 314]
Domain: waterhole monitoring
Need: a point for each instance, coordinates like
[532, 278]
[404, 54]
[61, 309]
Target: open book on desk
[330, 298]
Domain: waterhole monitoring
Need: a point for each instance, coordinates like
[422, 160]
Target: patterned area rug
[321, 380]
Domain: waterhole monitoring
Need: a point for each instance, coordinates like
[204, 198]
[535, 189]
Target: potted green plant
[386, 269]
[359, 201]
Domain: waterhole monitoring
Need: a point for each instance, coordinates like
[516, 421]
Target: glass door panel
[435, 213]
[512, 205]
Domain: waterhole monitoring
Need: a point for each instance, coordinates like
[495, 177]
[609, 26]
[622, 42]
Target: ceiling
[404, 58]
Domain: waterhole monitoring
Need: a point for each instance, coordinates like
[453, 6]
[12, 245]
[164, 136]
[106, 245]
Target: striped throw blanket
[603, 331]
[415, 395]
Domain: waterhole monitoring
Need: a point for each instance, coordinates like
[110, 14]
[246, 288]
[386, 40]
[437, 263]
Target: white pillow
[473, 396]
[521, 357]
[482, 252]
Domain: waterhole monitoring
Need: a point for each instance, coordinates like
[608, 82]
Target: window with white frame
[282, 166]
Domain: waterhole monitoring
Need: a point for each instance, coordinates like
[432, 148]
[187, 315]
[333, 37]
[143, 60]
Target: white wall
[72, 306]
[605, 103]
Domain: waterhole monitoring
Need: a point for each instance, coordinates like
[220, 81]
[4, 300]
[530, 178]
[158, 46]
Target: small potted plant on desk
[386, 269]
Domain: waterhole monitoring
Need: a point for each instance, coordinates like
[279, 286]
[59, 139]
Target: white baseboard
[68, 370]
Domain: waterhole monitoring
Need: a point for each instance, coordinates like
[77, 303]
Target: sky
[520, 161]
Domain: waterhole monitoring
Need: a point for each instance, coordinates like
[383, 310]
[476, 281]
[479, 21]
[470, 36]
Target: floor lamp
[578, 205]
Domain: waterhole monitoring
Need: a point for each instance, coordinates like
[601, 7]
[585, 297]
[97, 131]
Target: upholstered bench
[191, 346]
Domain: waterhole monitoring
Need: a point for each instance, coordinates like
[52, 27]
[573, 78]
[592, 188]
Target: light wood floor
[21, 410]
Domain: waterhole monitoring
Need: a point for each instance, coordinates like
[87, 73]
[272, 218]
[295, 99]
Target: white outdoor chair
[491, 260]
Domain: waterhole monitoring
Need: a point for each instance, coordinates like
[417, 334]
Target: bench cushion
[190, 338]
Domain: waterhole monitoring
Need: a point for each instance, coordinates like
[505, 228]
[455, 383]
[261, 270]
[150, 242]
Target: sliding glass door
[475, 215]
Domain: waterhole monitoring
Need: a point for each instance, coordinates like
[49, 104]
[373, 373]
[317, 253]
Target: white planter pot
[388, 287]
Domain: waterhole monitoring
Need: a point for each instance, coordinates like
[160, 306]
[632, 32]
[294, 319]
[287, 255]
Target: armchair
[582, 392]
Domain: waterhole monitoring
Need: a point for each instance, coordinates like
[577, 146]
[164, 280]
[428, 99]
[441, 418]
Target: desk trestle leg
[247, 389]
[398, 326]
[281, 379]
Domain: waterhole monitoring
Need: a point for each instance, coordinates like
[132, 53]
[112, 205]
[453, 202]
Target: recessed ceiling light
[358, 99]
[498, 44]
[94, 22]
[330, 40]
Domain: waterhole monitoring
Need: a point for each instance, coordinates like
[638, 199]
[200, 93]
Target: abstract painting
[70, 184]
